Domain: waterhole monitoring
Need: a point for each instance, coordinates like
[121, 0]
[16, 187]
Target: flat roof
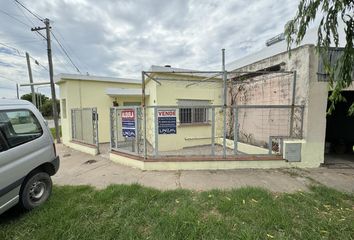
[66, 76]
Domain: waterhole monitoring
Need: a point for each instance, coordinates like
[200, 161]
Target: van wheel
[35, 190]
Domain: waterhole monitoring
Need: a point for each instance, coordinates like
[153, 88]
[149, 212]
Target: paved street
[78, 168]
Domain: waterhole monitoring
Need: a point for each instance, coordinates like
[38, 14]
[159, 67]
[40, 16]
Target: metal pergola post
[225, 102]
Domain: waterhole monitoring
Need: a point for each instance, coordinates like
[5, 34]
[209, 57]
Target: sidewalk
[78, 168]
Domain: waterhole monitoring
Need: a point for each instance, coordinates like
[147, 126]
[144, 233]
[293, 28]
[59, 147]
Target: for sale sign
[167, 121]
[128, 123]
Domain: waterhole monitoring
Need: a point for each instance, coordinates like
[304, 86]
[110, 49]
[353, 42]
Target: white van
[27, 156]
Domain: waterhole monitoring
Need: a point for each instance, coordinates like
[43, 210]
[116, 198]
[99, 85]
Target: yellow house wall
[89, 94]
[168, 93]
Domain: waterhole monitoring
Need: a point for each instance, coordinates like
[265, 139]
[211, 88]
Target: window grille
[191, 115]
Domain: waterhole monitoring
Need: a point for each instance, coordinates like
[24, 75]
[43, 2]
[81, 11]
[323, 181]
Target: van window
[19, 126]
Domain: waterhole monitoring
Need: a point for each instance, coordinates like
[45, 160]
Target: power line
[18, 20]
[39, 64]
[25, 41]
[15, 18]
[18, 4]
[83, 64]
[22, 55]
[13, 48]
[2, 76]
[33, 14]
[58, 60]
[28, 19]
[66, 53]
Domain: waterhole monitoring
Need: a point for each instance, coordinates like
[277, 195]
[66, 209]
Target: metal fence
[200, 131]
[126, 129]
[84, 122]
[235, 113]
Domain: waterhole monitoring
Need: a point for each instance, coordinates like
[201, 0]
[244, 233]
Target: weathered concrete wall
[309, 92]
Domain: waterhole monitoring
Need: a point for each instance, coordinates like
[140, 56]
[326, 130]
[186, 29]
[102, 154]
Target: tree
[39, 97]
[47, 108]
[340, 74]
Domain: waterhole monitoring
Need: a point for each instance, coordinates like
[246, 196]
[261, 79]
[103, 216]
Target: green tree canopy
[331, 12]
[47, 108]
[28, 96]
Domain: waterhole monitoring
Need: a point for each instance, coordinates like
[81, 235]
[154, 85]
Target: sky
[120, 38]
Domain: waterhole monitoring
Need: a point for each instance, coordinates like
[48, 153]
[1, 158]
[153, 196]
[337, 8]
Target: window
[19, 127]
[63, 107]
[193, 115]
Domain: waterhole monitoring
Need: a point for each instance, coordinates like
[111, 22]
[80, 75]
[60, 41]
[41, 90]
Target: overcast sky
[122, 38]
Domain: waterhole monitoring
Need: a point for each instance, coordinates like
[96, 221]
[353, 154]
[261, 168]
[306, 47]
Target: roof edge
[59, 78]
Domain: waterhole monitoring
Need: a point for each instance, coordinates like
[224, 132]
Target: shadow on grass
[12, 214]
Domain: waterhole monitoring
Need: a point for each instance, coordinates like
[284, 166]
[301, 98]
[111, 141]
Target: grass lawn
[135, 212]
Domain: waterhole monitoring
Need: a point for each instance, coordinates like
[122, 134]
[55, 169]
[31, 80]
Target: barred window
[190, 115]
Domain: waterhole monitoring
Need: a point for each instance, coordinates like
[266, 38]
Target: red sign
[128, 114]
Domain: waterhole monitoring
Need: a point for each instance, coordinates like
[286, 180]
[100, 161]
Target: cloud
[122, 38]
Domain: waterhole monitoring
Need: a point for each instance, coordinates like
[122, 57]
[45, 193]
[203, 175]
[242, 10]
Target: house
[82, 91]
[267, 110]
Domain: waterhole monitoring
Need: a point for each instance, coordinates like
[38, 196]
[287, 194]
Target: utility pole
[17, 91]
[52, 86]
[31, 79]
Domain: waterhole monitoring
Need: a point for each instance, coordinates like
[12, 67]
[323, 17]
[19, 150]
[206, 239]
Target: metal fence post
[235, 129]
[116, 126]
[225, 102]
[93, 117]
[136, 130]
[270, 147]
[81, 123]
[293, 106]
[302, 122]
[96, 129]
[72, 124]
[213, 131]
[145, 143]
[156, 132]
[143, 102]
[111, 111]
